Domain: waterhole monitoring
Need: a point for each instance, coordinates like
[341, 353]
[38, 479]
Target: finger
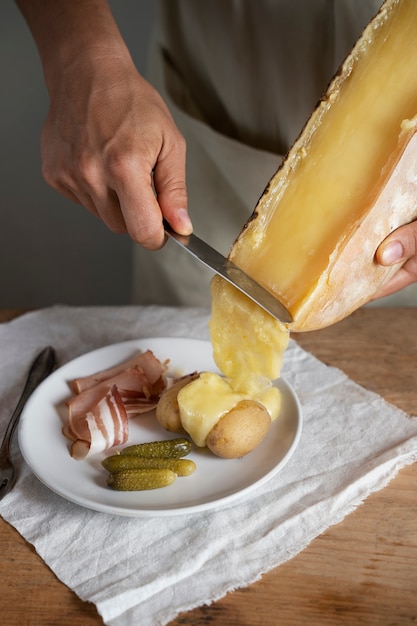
[72, 193]
[131, 208]
[170, 187]
[104, 204]
[406, 275]
[140, 210]
[399, 246]
[109, 210]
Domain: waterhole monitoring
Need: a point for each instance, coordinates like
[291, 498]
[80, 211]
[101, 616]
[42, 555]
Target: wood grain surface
[361, 571]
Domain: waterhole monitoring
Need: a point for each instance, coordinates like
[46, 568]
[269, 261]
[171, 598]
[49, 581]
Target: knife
[231, 272]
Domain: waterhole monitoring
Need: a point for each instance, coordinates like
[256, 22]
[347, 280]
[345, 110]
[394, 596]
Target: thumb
[399, 246]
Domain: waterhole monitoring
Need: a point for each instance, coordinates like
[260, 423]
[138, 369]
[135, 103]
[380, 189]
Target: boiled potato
[230, 432]
[167, 410]
[239, 431]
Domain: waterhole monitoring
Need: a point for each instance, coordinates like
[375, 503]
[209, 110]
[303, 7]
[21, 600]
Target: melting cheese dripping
[248, 346]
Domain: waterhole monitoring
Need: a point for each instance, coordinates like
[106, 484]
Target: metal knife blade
[231, 272]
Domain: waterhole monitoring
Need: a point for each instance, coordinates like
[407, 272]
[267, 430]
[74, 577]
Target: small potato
[167, 410]
[240, 430]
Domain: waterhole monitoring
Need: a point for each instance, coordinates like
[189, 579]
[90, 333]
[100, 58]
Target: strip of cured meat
[104, 426]
[146, 361]
[131, 381]
[103, 402]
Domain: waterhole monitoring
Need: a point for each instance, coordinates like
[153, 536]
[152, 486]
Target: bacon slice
[104, 426]
[131, 381]
[99, 411]
[152, 367]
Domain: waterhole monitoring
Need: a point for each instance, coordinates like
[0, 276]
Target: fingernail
[392, 253]
[184, 218]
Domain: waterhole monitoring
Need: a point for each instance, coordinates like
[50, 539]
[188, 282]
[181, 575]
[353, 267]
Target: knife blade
[231, 272]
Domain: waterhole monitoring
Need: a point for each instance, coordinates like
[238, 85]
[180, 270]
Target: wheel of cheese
[349, 180]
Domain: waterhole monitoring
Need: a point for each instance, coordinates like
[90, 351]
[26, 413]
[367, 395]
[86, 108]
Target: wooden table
[362, 571]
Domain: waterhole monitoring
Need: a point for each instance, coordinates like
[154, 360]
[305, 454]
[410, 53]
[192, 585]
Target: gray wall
[51, 250]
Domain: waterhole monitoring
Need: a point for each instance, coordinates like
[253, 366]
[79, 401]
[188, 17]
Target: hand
[399, 247]
[109, 141]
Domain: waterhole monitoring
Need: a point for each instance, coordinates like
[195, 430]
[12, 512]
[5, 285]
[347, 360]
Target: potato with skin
[167, 410]
[239, 431]
[229, 425]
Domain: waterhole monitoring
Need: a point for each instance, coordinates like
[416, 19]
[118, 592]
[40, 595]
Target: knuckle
[147, 235]
[86, 170]
[146, 229]
[180, 143]
[120, 165]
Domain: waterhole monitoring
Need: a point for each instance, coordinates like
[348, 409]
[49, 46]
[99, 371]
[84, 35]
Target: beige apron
[240, 78]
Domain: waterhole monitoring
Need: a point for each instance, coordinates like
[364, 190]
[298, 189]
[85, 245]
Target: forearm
[67, 32]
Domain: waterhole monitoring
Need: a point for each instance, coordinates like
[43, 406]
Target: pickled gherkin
[151, 465]
[141, 480]
[171, 449]
[120, 462]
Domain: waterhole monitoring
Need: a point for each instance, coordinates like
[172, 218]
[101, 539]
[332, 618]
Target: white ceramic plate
[215, 482]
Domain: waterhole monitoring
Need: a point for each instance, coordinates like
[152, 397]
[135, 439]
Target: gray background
[52, 250]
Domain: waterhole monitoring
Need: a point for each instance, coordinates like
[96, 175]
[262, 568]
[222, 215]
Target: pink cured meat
[130, 382]
[105, 400]
[104, 426]
[146, 361]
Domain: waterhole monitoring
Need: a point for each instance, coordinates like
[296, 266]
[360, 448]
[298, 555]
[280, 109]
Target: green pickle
[144, 466]
[120, 462]
[172, 449]
[141, 480]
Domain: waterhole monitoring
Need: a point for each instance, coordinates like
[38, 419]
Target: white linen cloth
[147, 570]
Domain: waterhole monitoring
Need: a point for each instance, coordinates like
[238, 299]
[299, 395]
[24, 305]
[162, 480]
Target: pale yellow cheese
[334, 178]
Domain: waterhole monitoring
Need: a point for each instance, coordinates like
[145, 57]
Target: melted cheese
[248, 346]
[203, 402]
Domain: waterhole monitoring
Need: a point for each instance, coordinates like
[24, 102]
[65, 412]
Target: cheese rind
[348, 181]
